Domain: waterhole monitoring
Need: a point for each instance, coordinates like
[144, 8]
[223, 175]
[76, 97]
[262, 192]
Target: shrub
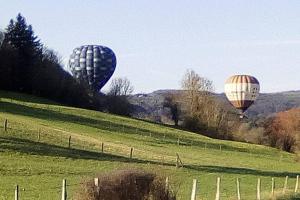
[192, 124]
[118, 105]
[126, 184]
[282, 129]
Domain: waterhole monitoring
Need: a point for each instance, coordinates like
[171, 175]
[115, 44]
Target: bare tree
[120, 87]
[202, 110]
[117, 101]
[194, 83]
[197, 91]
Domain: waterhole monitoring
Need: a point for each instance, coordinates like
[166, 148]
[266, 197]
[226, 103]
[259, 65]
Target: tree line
[196, 108]
[28, 66]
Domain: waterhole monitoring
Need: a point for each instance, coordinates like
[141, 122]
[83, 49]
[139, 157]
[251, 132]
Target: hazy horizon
[222, 92]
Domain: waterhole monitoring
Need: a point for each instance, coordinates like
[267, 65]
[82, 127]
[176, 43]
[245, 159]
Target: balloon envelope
[93, 64]
[242, 91]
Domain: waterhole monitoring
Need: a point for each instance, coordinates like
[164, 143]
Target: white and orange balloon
[242, 91]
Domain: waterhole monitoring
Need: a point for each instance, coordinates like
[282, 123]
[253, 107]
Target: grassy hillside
[38, 165]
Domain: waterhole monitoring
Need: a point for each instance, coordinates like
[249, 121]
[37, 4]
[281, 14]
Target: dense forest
[28, 66]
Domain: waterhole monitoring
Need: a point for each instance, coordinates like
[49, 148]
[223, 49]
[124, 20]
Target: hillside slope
[34, 152]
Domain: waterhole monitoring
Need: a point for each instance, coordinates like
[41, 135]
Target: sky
[157, 41]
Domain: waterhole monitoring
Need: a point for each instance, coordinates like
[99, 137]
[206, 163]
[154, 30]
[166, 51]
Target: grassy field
[38, 164]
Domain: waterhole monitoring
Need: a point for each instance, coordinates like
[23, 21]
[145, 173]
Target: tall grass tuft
[126, 184]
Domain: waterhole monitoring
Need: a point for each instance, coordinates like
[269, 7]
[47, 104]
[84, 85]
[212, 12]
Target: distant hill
[150, 106]
[270, 103]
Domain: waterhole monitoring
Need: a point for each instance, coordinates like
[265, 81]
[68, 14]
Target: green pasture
[34, 153]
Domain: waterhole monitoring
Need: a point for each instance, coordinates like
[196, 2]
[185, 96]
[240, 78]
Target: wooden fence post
[218, 188]
[167, 183]
[285, 184]
[258, 189]
[5, 125]
[102, 147]
[97, 184]
[96, 180]
[17, 193]
[163, 160]
[131, 151]
[194, 190]
[238, 189]
[297, 183]
[64, 190]
[178, 141]
[39, 135]
[69, 145]
[273, 186]
[178, 161]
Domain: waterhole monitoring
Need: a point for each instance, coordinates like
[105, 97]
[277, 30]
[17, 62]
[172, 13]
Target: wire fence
[273, 193]
[86, 146]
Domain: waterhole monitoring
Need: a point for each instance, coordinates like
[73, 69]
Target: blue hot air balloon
[93, 64]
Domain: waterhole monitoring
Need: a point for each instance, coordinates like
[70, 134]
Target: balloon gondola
[242, 91]
[93, 64]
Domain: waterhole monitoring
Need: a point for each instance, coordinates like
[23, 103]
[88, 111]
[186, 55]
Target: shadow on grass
[51, 115]
[289, 197]
[13, 96]
[30, 147]
[237, 170]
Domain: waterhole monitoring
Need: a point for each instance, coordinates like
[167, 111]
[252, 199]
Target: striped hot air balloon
[93, 64]
[242, 91]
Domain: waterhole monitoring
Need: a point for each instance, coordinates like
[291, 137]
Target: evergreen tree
[21, 37]
[1, 37]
